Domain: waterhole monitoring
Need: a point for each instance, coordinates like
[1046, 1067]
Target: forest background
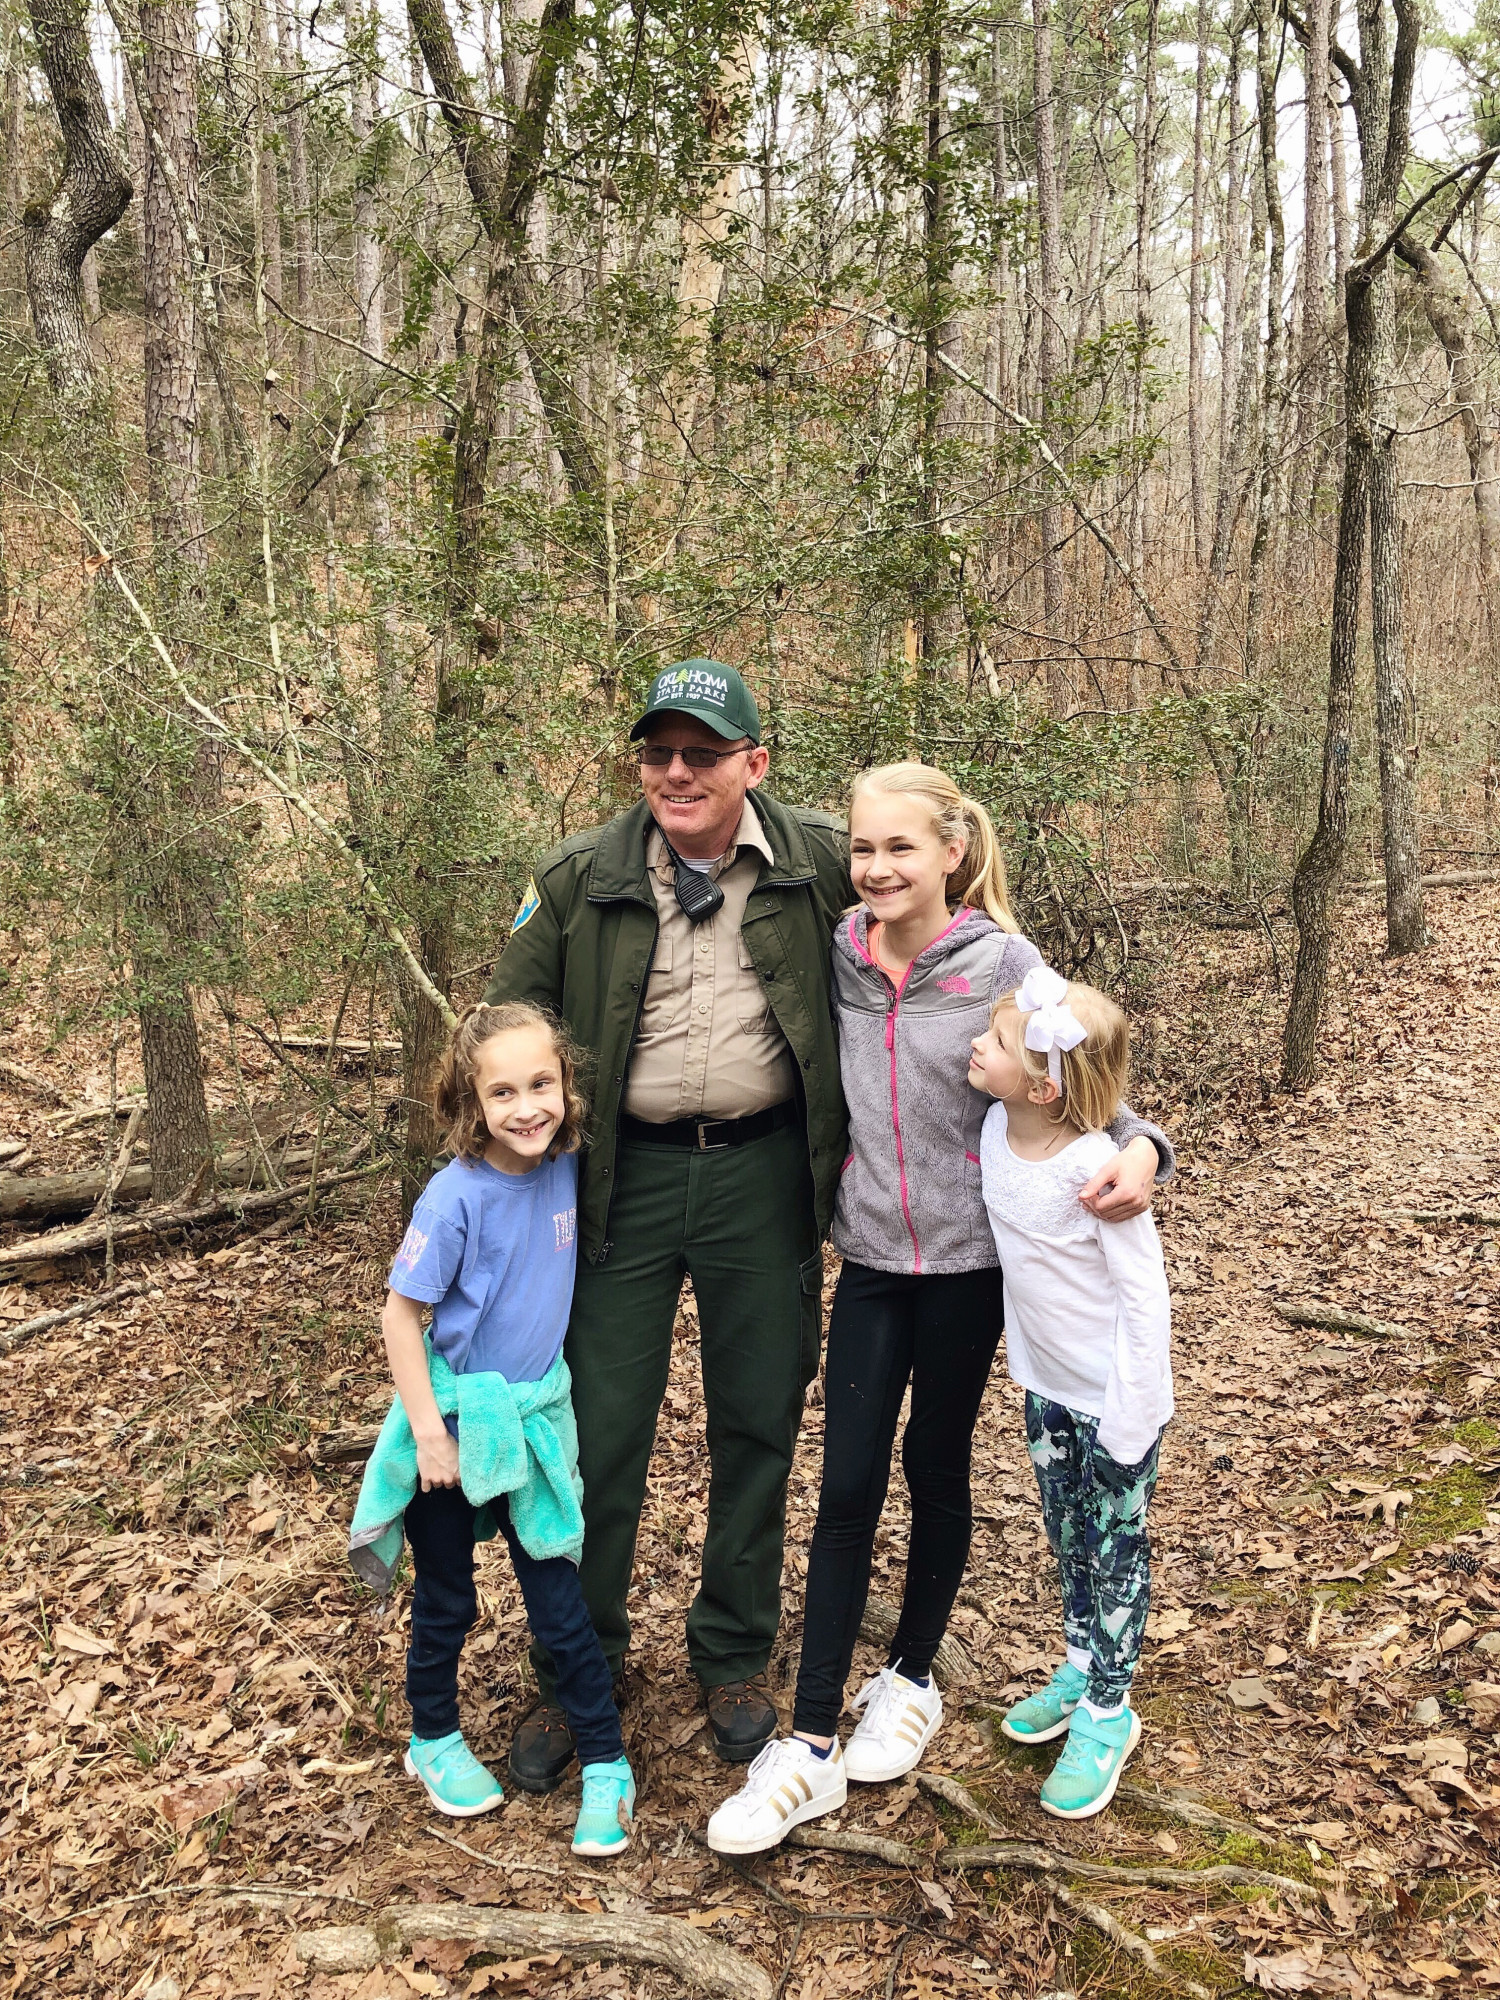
[387, 397]
[1099, 401]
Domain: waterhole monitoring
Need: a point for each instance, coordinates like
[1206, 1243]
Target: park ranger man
[686, 946]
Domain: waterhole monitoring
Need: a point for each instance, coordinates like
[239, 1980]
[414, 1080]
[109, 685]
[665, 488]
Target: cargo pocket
[810, 1285]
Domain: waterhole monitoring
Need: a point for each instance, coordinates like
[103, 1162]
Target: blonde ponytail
[979, 879]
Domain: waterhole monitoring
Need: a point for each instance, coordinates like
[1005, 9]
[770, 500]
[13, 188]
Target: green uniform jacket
[584, 940]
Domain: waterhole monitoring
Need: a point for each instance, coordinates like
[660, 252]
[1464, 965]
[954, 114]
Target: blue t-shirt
[493, 1254]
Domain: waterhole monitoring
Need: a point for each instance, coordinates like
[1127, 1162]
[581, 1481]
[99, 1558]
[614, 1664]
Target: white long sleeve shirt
[1088, 1319]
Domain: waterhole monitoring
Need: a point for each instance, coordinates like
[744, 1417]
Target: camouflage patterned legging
[1095, 1511]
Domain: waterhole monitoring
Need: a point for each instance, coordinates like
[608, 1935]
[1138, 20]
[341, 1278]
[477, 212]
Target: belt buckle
[718, 1145]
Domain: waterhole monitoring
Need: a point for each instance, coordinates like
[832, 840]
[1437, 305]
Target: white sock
[1102, 1714]
[1079, 1658]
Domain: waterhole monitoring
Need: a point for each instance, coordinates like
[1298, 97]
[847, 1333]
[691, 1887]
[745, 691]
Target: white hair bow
[1051, 1025]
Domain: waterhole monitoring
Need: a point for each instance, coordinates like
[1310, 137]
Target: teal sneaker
[1082, 1781]
[452, 1776]
[607, 1810]
[1042, 1716]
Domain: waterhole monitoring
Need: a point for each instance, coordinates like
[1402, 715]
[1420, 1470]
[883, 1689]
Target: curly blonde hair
[979, 879]
[1094, 1074]
[456, 1099]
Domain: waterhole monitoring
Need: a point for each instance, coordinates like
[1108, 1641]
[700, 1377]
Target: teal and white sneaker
[1082, 1781]
[608, 1808]
[453, 1777]
[1042, 1716]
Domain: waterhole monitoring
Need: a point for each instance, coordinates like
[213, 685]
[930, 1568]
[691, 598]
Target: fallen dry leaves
[202, 1716]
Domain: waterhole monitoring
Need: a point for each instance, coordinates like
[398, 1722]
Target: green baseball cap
[708, 690]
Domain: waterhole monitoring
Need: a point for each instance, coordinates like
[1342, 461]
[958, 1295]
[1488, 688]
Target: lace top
[1087, 1314]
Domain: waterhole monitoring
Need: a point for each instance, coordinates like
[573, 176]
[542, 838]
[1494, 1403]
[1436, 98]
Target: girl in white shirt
[1088, 1337]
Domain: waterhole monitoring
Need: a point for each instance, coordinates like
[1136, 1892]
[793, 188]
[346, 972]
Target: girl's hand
[1122, 1187]
[437, 1461]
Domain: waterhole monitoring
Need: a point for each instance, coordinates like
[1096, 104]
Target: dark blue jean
[440, 1529]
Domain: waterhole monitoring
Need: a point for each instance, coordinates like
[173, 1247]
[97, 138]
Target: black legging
[940, 1333]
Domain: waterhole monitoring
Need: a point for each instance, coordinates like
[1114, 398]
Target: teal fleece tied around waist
[517, 1440]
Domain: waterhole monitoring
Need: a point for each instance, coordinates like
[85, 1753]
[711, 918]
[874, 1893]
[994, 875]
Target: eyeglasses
[696, 756]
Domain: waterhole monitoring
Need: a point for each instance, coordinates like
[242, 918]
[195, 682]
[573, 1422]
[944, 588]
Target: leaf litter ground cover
[203, 1716]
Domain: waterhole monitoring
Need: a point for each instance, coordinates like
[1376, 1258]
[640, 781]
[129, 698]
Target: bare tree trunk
[1047, 304]
[181, 1144]
[1275, 347]
[1383, 87]
[1145, 201]
[1197, 278]
[370, 303]
[90, 198]
[292, 68]
[1395, 702]
[502, 182]
[1316, 878]
[1445, 302]
[937, 261]
[169, 67]
[1312, 341]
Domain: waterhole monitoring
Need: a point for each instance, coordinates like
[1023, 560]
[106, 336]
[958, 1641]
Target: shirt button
[703, 1009]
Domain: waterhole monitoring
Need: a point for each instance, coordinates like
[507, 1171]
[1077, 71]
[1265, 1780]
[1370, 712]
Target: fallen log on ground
[18, 1073]
[81, 1309]
[1330, 1319]
[1454, 878]
[346, 1050]
[1038, 1860]
[702, 1963]
[86, 1236]
[1486, 1218]
[951, 1662]
[30, 1197]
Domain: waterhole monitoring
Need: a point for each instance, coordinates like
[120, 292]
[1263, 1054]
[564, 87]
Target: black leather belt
[709, 1135]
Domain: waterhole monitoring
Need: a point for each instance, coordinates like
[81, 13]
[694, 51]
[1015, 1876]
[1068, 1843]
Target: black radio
[697, 896]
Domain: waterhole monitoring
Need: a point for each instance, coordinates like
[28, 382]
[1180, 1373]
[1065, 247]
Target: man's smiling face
[699, 811]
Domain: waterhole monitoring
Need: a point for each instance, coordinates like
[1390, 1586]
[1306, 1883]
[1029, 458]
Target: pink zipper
[890, 1043]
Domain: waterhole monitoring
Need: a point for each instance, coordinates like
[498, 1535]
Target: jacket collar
[618, 869]
[851, 940]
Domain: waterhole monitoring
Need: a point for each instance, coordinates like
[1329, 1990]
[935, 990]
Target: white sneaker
[899, 1721]
[787, 1783]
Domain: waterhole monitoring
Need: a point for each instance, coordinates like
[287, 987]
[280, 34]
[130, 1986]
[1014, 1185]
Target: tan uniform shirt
[707, 1045]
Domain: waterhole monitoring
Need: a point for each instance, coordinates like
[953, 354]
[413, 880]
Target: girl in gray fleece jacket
[919, 1300]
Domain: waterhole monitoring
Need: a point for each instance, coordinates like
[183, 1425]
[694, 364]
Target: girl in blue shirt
[491, 1250]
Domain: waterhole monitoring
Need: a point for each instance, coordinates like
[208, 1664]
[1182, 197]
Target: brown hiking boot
[543, 1748]
[742, 1717]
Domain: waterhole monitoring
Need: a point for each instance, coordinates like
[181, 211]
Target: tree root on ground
[950, 1662]
[1041, 1860]
[702, 1963]
[1111, 1927]
[1172, 1805]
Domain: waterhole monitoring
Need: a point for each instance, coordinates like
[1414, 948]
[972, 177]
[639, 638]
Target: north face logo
[954, 983]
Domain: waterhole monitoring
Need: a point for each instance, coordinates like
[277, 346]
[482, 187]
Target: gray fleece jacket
[910, 1198]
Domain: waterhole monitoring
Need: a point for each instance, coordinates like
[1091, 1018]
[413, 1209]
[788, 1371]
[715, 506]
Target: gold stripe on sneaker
[792, 1801]
[800, 1780]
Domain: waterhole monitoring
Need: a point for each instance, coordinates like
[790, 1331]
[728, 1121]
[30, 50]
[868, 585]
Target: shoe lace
[765, 1773]
[878, 1699]
[752, 1688]
[601, 1792]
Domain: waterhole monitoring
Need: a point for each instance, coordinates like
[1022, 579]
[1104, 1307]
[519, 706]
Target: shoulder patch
[531, 902]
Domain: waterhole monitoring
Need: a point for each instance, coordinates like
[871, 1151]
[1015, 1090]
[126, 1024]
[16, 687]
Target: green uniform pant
[740, 1223]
